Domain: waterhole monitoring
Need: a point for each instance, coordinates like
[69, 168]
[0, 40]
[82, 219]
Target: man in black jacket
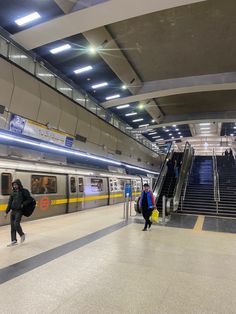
[19, 198]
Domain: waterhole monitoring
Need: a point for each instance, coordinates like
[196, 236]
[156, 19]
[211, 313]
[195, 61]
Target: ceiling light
[143, 125]
[27, 19]
[141, 106]
[204, 124]
[176, 129]
[153, 121]
[167, 130]
[99, 85]
[170, 134]
[112, 97]
[160, 139]
[181, 136]
[205, 128]
[172, 137]
[152, 133]
[164, 127]
[129, 128]
[60, 49]
[174, 125]
[156, 136]
[124, 87]
[84, 69]
[137, 120]
[131, 114]
[179, 132]
[122, 106]
[92, 50]
[231, 134]
[234, 127]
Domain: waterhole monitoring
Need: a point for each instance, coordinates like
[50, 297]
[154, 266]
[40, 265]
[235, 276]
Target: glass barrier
[26, 62]
[43, 74]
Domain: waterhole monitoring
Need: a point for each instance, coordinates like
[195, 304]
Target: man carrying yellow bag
[147, 203]
[155, 215]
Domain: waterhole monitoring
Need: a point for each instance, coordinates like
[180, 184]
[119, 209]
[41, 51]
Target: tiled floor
[105, 266]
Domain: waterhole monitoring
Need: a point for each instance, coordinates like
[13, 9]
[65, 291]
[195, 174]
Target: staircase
[199, 197]
[227, 180]
[169, 182]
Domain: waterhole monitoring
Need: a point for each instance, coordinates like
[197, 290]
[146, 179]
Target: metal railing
[216, 181]
[183, 176]
[159, 183]
[31, 63]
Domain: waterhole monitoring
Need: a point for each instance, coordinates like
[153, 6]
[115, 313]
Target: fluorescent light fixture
[167, 130]
[129, 128]
[141, 169]
[153, 121]
[27, 19]
[179, 132]
[137, 120]
[152, 133]
[231, 134]
[45, 74]
[60, 49]
[156, 136]
[65, 88]
[113, 97]
[176, 129]
[160, 139]
[205, 128]
[84, 69]
[172, 137]
[122, 106]
[92, 50]
[18, 57]
[131, 114]
[234, 127]
[163, 127]
[181, 136]
[174, 125]
[99, 85]
[124, 87]
[170, 134]
[204, 124]
[143, 125]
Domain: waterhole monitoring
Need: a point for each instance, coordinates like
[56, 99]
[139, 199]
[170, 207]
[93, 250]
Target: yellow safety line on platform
[199, 224]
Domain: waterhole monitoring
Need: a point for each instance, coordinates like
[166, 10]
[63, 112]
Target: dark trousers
[16, 216]
[146, 215]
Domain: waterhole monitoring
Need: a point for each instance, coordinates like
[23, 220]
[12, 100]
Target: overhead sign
[34, 129]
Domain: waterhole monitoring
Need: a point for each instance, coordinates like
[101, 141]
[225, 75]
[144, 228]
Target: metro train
[60, 189]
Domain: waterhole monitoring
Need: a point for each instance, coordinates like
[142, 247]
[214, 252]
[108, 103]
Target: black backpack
[28, 210]
[30, 207]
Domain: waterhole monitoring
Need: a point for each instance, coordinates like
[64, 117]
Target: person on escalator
[147, 203]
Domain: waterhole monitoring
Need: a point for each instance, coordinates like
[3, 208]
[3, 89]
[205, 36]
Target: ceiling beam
[93, 17]
[184, 85]
[66, 5]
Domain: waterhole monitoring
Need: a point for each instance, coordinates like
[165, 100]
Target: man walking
[147, 203]
[19, 198]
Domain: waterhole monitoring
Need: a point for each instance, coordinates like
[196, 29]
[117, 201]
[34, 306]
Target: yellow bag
[155, 215]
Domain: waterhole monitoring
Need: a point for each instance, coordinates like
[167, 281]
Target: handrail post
[163, 209]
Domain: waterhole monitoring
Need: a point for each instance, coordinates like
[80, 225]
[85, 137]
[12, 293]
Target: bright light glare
[124, 87]
[99, 85]
[112, 97]
[27, 19]
[204, 124]
[60, 49]
[205, 128]
[84, 69]
[143, 125]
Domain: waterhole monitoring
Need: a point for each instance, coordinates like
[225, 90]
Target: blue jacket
[150, 199]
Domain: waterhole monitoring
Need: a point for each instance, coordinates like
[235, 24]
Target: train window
[81, 185]
[6, 183]
[122, 184]
[96, 185]
[72, 185]
[43, 184]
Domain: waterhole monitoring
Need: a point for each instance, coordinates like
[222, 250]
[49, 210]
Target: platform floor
[93, 262]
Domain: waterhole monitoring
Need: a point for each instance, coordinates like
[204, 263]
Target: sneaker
[22, 238]
[144, 229]
[149, 226]
[13, 243]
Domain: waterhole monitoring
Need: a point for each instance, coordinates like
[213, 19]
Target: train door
[6, 178]
[111, 189]
[80, 203]
[72, 193]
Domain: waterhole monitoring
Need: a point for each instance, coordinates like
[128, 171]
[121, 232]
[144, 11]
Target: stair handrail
[183, 176]
[159, 183]
[216, 181]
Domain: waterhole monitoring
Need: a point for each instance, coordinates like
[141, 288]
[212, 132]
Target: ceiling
[173, 65]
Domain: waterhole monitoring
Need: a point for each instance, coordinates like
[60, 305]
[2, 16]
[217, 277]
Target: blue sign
[17, 124]
[69, 141]
[128, 190]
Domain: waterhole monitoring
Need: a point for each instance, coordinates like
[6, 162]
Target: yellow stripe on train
[78, 199]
